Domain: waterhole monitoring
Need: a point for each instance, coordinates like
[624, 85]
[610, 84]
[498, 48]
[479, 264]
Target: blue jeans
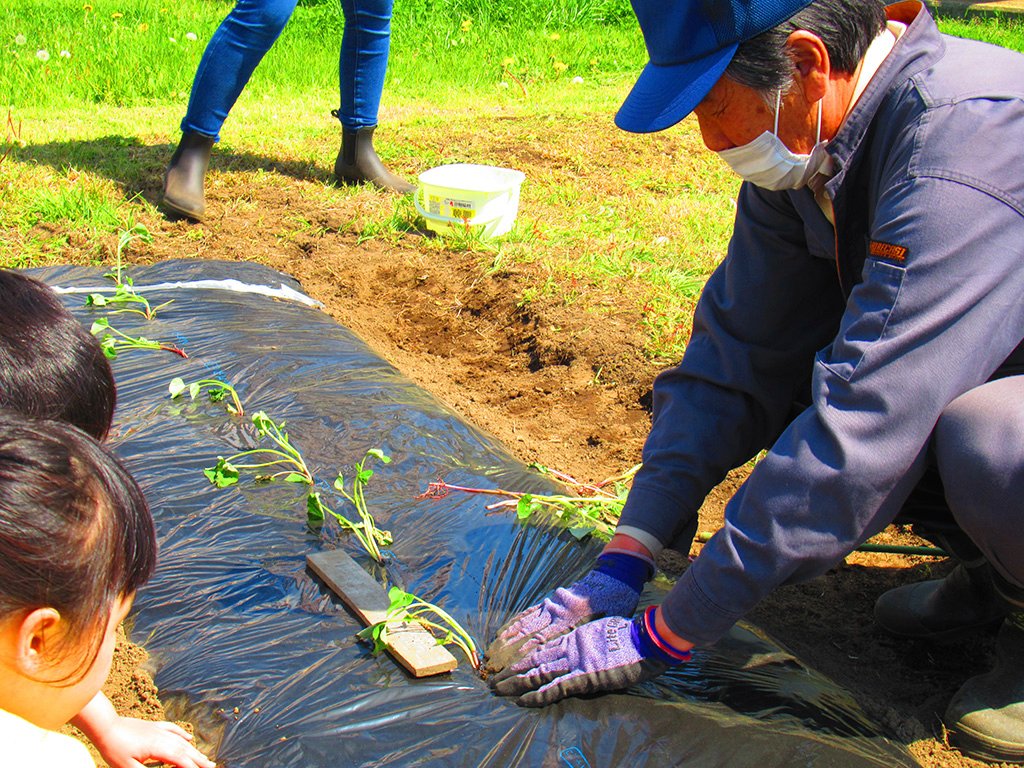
[244, 37]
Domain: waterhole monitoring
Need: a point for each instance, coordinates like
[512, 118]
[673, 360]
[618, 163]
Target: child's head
[51, 367]
[76, 542]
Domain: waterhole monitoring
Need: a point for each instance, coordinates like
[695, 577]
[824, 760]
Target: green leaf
[378, 633]
[379, 454]
[266, 426]
[223, 474]
[193, 390]
[95, 300]
[107, 344]
[314, 508]
[581, 533]
[339, 482]
[295, 477]
[525, 506]
[176, 387]
[399, 599]
[99, 326]
[364, 475]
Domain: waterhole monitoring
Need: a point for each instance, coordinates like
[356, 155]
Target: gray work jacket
[914, 297]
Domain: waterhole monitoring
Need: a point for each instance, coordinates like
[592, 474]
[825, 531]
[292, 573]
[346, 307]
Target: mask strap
[778, 109]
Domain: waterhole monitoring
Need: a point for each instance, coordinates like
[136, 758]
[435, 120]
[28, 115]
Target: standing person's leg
[365, 45]
[979, 445]
[233, 53]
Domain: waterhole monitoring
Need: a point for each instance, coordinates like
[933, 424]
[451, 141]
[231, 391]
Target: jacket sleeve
[917, 332]
[756, 328]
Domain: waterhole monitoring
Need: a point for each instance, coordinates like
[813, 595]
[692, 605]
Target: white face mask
[768, 163]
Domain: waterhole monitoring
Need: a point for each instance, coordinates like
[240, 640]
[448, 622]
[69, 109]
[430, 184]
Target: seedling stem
[216, 389]
[113, 340]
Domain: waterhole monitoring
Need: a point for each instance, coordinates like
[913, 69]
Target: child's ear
[37, 640]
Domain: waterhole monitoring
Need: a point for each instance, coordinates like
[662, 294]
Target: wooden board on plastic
[410, 644]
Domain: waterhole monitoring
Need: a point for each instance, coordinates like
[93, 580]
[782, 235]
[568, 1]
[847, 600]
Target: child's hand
[126, 742]
[130, 743]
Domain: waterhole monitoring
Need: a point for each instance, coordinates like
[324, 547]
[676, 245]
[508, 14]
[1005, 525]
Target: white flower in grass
[173, 40]
[43, 55]
[65, 54]
[191, 36]
[20, 39]
[577, 80]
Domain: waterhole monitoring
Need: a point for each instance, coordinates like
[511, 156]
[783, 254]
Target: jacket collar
[917, 49]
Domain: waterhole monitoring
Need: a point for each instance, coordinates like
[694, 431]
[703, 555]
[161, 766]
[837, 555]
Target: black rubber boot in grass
[985, 719]
[183, 182]
[358, 163]
[965, 600]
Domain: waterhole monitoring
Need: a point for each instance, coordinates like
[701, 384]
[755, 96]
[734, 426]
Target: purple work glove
[611, 589]
[605, 655]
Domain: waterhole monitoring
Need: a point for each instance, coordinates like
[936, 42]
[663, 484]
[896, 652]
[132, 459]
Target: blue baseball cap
[690, 43]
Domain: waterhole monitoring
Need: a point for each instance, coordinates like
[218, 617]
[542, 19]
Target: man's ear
[811, 63]
[37, 640]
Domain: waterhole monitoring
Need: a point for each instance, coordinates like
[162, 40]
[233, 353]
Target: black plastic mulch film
[251, 647]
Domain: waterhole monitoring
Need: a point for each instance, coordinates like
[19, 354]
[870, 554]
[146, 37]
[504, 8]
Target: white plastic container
[453, 197]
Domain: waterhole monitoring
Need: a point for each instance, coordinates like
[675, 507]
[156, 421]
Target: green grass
[1006, 30]
[87, 135]
[145, 52]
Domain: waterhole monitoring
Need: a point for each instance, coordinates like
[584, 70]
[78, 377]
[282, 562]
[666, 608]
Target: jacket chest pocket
[866, 318]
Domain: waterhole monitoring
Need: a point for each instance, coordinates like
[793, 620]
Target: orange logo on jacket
[887, 251]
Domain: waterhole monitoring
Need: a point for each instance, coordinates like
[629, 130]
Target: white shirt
[28, 746]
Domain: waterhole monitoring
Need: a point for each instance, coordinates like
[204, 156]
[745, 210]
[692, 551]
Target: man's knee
[979, 439]
[979, 448]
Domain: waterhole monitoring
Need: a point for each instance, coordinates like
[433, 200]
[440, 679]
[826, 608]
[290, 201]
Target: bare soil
[554, 387]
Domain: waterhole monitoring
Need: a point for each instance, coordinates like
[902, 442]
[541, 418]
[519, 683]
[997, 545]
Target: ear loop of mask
[778, 109]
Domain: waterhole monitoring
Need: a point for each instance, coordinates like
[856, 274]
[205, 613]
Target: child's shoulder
[28, 744]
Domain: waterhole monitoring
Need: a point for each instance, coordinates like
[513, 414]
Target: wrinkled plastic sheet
[250, 646]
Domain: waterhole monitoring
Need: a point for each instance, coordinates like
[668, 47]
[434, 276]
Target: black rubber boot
[965, 600]
[986, 716]
[358, 163]
[183, 182]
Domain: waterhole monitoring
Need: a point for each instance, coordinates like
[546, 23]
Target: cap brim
[657, 101]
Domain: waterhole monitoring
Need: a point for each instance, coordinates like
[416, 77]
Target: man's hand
[599, 656]
[125, 742]
[612, 589]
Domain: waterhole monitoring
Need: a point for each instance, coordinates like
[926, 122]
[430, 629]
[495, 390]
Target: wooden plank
[411, 645]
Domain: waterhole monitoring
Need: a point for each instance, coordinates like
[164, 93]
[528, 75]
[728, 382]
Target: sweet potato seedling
[113, 340]
[217, 390]
[124, 294]
[284, 462]
[409, 608]
[368, 531]
[596, 513]
[124, 290]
